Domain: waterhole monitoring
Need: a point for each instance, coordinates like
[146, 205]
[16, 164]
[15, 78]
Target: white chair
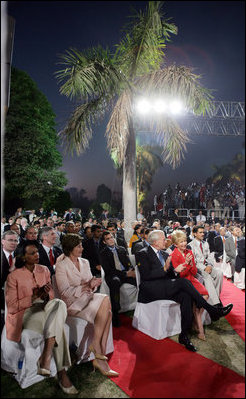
[81, 333]
[128, 294]
[239, 279]
[158, 319]
[20, 358]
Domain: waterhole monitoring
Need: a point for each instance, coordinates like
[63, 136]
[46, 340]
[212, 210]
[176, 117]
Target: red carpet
[236, 318]
[164, 369]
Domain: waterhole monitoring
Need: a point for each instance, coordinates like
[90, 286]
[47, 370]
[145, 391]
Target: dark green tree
[31, 159]
[103, 194]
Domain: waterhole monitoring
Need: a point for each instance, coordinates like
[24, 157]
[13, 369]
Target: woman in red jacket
[184, 256]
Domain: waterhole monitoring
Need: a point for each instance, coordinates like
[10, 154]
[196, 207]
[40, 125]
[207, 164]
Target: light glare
[176, 107]
[143, 106]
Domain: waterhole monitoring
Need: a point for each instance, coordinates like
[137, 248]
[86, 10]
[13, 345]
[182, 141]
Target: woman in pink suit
[77, 286]
[31, 305]
[184, 256]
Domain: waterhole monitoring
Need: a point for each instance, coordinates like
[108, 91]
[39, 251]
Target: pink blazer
[19, 286]
[72, 283]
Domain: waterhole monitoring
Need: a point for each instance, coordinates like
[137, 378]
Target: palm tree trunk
[129, 183]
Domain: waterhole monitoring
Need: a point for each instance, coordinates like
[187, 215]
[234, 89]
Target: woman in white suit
[76, 287]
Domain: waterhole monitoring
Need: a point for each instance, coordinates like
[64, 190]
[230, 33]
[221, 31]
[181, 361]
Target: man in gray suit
[213, 278]
[231, 248]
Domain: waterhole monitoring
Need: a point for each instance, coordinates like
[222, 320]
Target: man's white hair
[154, 236]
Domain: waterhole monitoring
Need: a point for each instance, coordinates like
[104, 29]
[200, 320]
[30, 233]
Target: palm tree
[147, 163]
[103, 82]
[232, 171]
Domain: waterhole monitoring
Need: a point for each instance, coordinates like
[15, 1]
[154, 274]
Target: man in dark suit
[160, 281]
[48, 252]
[118, 270]
[219, 245]
[92, 247]
[120, 239]
[211, 236]
[70, 215]
[140, 244]
[240, 258]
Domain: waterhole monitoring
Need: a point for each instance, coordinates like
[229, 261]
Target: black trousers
[179, 290]
[114, 283]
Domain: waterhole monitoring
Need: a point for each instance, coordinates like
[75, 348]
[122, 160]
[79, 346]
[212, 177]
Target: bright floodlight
[143, 106]
[159, 106]
[176, 107]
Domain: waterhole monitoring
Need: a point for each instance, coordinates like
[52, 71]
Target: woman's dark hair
[20, 262]
[138, 226]
[69, 242]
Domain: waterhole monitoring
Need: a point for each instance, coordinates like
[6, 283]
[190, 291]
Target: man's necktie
[161, 258]
[116, 260]
[236, 243]
[52, 259]
[10, 260]
[223, 240]
[201, 246]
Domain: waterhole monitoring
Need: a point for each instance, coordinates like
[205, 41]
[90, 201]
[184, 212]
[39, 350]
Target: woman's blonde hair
[177, 236]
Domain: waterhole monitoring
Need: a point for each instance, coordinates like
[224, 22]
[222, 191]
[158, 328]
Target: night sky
[210, 38]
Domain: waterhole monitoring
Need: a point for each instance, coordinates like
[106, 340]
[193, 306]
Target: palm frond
[172, 139]
[88, 74]
[178, 82]
[141, 49]
[78, 131]
[117, 131]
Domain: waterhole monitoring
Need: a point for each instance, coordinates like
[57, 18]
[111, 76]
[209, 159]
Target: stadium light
[146, 106]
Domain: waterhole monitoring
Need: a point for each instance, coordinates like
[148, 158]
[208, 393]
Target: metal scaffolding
[224, 119]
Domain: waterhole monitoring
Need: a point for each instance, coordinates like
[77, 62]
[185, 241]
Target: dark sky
[211, 39]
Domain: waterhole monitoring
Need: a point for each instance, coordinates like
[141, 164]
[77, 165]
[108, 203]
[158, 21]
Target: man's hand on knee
[208, 269]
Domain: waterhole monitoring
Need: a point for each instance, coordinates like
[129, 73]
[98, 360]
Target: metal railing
[220, 213]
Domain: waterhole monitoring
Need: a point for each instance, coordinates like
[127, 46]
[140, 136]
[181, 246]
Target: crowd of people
[226, 200]
[178, 259]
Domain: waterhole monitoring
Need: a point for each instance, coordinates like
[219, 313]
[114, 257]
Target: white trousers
[50, 322]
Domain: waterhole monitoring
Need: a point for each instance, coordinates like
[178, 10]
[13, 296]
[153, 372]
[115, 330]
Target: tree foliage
[234, 170]
[102, 81]
[31, 160]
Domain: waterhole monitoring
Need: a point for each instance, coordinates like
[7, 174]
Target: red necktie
[201, 247]
[236, 244]
[10, 260]
[223, 239]
[52, 260]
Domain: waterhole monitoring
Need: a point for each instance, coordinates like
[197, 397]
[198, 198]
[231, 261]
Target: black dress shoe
[221, 312]
[184, 340]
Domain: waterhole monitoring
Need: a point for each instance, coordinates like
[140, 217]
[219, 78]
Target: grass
[223, 346]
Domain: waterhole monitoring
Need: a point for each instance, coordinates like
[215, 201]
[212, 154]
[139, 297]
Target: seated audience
[184, 256]
[159, 281]
[118, 270]
[213, 277]
[76, 286]
[31, 305]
